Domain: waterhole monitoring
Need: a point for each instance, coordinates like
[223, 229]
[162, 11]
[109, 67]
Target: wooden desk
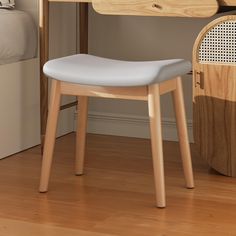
[100, 5]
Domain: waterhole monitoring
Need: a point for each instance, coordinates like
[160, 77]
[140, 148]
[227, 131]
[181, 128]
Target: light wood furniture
[186, 8]
[98, 205]
[214, 94]
[67, 81]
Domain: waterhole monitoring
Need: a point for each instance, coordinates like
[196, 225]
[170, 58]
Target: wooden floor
[115, 196]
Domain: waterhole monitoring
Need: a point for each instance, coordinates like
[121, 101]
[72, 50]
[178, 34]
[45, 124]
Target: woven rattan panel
[219, 44]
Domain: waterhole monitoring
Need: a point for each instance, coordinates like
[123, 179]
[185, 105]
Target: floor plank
[116, 194]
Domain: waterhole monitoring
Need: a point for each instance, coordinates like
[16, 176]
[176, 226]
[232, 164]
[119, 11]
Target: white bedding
[18, 36]
[7, 4]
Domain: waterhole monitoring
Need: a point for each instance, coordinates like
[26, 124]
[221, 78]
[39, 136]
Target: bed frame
[19, 98]
[20, 93]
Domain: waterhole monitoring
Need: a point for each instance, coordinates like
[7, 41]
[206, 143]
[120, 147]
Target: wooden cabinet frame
[214, 94]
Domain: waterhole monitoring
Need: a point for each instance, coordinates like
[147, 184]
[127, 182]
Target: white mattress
[18, 36]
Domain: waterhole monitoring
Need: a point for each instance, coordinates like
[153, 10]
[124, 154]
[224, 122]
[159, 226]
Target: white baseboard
[131, 126]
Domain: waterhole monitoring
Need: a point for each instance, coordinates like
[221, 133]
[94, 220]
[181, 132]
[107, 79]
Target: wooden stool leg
[81, 134]
[178, 100]
[156, 139]
[50, 135]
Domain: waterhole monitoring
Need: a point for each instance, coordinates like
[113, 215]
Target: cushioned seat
[87, 76]
[92, 70]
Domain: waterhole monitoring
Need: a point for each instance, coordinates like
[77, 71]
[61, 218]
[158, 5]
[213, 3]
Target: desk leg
[82, 106]
[44, 48]
[83, 27]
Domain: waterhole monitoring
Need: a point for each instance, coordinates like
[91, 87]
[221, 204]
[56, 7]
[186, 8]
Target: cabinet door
[184, 8]
[214, 107]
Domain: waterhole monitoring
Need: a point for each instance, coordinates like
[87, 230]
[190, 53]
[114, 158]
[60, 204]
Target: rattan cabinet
[214, 94]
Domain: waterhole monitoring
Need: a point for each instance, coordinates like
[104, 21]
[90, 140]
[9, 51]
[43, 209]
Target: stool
[90, 76]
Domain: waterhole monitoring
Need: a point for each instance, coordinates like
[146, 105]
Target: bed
[19, 77]
[18, 36]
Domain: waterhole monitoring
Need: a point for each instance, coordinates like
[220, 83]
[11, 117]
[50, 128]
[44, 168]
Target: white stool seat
[87, 76]
[92, 70]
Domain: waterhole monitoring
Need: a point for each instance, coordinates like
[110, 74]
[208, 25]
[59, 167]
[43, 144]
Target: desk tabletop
[221, 2]
[70, 1]
[182, 8]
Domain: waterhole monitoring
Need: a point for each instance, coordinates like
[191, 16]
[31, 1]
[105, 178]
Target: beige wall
[142, 38]
[62, 43]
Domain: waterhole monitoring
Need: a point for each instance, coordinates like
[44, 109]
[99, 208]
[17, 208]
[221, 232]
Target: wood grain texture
[214, 107]
[215, 117]
[178, 100]
[136, 93]
[184, 8]
[151, 93]
[116, 194]
[50, 136]
[83, 1]
[82, 118]
[9, 227]
[167, 86]
[133, 93]
[221, 2]
[154, 110]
